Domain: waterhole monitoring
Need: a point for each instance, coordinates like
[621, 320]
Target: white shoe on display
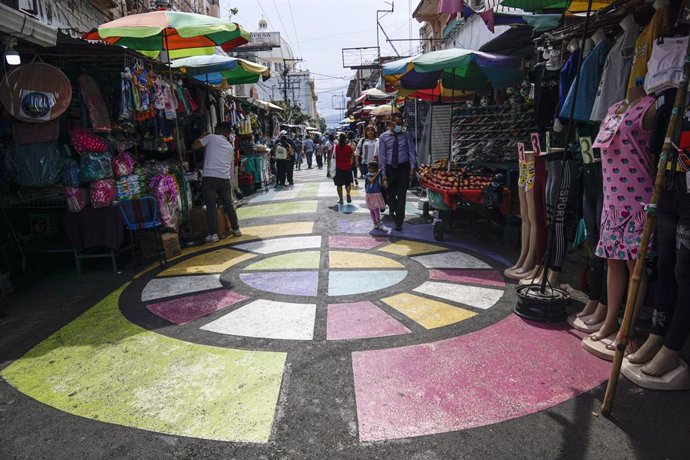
[212, 238]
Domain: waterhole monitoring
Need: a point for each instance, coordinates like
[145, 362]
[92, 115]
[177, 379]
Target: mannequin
[528, 214]
[628, 183]
[658, 356]
[590, 319]
[554, 61]
[616, 74]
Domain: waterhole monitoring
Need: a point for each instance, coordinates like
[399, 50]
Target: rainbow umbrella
[214, 69]
[179, 34]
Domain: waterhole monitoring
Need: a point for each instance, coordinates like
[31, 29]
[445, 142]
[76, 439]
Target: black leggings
[592, 203]
[672, 309]
[560, 198]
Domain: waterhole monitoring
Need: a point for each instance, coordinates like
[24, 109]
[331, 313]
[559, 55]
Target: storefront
[86, 126]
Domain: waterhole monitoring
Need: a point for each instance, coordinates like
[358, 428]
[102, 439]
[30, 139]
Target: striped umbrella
[179, 34]
[214, 69]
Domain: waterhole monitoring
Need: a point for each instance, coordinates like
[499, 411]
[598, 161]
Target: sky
[317, 30]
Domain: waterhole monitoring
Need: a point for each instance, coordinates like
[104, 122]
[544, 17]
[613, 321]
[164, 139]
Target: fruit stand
[458, 187]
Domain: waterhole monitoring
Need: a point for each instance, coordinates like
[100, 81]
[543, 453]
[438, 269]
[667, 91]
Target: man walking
[299, 148]
[218, 166]
[398, 161]
[309, 150]
[281, 153]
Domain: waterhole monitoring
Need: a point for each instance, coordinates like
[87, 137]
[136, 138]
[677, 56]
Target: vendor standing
[218, 167]
[398, 161]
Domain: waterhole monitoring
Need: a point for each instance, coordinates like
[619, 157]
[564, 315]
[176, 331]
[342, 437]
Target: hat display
[36, 92]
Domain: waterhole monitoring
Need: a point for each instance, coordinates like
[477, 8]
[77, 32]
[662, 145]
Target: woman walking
[344, 157]
[367, 149]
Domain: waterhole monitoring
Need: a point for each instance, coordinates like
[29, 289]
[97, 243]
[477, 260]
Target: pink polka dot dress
[628, 173]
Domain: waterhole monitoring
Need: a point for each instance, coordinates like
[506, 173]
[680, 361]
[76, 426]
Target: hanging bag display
[37, 165]
[85, 141]
[77, 198]
[96, 166]
[30, 133]
[103, 193]
[123, 165]
[92, 98]
[71, 173]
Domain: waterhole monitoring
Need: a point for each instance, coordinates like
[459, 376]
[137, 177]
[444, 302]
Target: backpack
[281, 152]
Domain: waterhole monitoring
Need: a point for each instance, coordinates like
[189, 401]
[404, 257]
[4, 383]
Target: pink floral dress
[628, 174]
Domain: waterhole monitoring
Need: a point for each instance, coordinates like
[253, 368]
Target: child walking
[374, 198]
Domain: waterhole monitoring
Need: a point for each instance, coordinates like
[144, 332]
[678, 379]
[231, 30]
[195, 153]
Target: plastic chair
[142, 215]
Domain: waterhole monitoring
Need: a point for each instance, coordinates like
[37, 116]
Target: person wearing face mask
[398, 161]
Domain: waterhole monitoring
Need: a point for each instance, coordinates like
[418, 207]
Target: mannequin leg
[524, 217]
[679, 328]
[617, 277]
[648, 350]
[592, 200]
[530, 259]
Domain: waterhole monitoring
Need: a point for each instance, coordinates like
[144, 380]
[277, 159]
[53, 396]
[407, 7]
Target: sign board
[262, 41]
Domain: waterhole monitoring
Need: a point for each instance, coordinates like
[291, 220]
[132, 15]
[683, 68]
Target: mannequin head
[554, 62]
[635, 93]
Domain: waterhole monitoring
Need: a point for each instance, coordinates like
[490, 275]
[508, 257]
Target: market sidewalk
[312, 336]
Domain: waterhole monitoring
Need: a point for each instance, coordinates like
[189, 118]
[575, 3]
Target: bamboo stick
[631, 310]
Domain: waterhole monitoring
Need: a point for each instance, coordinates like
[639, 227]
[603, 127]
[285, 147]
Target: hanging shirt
[546, 84]
[616, 74]
[568, 73]
[590, 75]
[643, 46]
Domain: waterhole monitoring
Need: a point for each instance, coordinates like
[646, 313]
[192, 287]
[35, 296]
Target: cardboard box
[171, 245]
[200, 226]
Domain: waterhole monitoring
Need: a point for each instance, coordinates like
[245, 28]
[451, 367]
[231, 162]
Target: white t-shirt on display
[219, 155]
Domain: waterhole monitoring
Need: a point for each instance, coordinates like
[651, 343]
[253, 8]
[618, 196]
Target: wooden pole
[631, 309]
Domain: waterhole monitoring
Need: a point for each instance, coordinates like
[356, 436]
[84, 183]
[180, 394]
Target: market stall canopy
[383, 111]
[460, 69]
[179, 34]
[215, 68]
[373, 95]
[541, 6]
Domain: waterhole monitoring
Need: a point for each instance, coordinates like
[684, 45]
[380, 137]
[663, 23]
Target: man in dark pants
[398, 161]
[218, 165]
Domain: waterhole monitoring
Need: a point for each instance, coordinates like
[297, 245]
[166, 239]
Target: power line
[292, 16]
[280, 18]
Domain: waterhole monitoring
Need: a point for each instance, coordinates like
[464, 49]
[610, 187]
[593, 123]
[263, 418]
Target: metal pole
[177, 127]
[452, 107]
[568, 133]
[631, 307]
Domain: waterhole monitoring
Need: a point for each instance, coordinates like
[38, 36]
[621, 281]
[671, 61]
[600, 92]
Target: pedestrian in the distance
[355, 161]
[281, 153]
[344, 157]
[218, 167]
[318, 152]
[309, 151]
[398, 161]
[299, 149]
[367, 149]
[328, 153]
[374, 196]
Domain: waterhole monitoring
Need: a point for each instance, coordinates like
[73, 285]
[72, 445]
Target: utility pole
[380, 27]
[287, 84]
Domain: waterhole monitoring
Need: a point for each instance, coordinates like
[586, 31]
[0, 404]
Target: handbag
[37, 165]
[71, 173]
[96, 166]
[103, 193]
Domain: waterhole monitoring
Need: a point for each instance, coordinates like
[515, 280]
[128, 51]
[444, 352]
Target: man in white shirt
[219, 155]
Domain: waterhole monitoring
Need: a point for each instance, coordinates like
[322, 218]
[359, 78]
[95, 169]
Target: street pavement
[312, 336]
